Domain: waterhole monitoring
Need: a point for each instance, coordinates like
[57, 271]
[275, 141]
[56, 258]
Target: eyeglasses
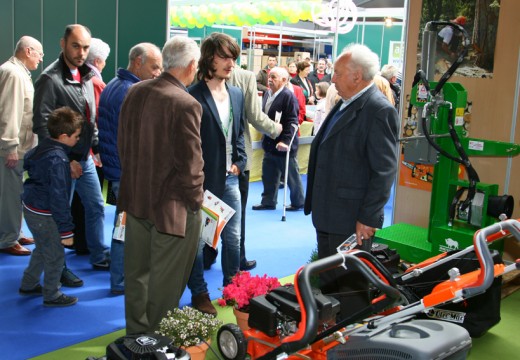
[39, 52]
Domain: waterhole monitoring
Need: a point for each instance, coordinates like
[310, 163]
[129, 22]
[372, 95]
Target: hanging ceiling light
[338, 15]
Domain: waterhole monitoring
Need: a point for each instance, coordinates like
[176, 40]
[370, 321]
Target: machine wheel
[231, 342]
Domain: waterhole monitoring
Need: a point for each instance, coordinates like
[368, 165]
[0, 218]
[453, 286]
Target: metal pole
[296, 127]
[280, 45]
[513, 126]
[336, 34]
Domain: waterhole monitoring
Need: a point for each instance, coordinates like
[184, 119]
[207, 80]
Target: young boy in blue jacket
[46, 199]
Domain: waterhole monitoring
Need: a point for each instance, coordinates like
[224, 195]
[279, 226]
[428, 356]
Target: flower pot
[242, 318]
[198, 352]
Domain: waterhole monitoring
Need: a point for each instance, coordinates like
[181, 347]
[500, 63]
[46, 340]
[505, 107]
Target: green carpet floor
[501, 342]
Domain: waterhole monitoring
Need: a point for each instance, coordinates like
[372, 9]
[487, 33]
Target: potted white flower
[189, 328]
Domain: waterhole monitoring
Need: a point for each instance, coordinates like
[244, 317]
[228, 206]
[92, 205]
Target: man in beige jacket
[16, 138]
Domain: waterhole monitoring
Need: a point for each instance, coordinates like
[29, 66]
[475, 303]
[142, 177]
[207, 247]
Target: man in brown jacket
[161, 186]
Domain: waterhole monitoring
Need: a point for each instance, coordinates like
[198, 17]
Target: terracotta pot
[242, 318]
[198, 352]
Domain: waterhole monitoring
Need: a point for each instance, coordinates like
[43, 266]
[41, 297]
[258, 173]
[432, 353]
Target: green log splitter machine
[458, 207]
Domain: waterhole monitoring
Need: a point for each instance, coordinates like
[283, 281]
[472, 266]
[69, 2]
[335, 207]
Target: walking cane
[296, 127]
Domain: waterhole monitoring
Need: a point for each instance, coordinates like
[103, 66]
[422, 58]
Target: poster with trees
[480, 19]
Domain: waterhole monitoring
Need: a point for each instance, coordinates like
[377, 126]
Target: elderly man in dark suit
[280, 104]
[161, 186]
[222, 135]
[352, 165]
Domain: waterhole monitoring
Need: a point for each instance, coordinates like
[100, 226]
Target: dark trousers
[272, 168]
[243, 185]
[348, 286]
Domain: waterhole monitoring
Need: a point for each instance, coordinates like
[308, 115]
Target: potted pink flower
[242, 289]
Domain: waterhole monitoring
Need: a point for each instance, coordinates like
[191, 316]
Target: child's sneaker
[69, 279]
[36, 291]
[61, 301]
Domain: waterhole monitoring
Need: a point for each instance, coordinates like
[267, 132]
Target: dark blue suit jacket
[286, 103]
[352, 168]
[212, 136]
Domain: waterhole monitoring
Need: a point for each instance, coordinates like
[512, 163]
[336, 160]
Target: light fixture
[388, 22]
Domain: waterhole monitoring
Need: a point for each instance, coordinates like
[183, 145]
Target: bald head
[75, 45]
[29, 51]
[27, 42]
[145, 61]
[76, 29]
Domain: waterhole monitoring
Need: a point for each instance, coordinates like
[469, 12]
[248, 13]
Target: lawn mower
[299, 322]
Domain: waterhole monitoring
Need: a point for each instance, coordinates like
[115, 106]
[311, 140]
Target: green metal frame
[415, 243]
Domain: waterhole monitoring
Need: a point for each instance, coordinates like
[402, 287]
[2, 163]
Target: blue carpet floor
[28, 329]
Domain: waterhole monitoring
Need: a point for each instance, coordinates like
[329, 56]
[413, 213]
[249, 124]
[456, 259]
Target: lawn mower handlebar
[309, 321]
[480, 243]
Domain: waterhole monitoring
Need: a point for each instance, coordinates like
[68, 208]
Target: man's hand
[67, 242]
[282, 147]
[11, 160]
[75, 169]
[234, 170]
[364, 232]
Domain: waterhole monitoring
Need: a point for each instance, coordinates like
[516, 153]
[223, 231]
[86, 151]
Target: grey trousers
[48, 256]
[11, 187]
[157, 269]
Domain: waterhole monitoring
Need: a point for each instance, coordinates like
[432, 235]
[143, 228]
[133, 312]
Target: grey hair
[98, 50]
[361, 56]
[280, 71]
[179, 52]
[389, 71]
[26, 42]
[142, 50]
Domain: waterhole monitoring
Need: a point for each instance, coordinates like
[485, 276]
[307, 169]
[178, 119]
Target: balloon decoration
[241, 13]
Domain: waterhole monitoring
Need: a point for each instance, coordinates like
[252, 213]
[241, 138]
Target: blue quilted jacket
[109, 107]
[47, 190]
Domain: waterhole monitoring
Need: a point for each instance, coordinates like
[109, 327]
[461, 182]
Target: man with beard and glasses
[222, 136]
[67, 82]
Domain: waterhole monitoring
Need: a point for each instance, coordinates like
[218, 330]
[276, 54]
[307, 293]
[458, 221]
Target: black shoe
[209, 256]
[102, 265]
[248, 265]
[294, 208]
[61, 301]
[36, 291]
[69, 279]
[82, 251]
[264, 207]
